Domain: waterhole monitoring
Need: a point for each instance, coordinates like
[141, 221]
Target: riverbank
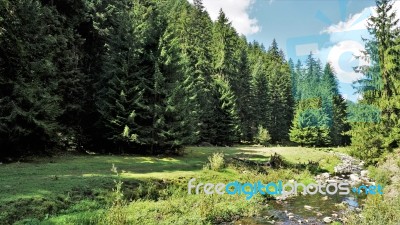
[320, 208]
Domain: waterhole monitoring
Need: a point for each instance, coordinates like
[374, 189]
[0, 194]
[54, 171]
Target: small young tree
[263, 137]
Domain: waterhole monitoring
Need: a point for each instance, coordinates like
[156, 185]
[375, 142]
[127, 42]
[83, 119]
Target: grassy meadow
[148, 189]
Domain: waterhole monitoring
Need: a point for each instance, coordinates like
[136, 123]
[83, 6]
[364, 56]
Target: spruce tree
[280, 94]
[181, 110]
[29, 99]
[225, 112]
[379, 84]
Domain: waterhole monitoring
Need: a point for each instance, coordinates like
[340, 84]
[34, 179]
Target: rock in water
[327, 219]
[354, 177]
[364, 173]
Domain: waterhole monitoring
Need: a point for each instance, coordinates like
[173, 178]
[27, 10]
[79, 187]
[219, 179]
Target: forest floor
[83, 189]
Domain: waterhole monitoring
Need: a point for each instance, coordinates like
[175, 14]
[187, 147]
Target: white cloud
[342, 56]
[236, 11]
[355, 22]
[346, 37]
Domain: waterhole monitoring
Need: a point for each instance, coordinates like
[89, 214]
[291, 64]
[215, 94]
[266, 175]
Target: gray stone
[354, 177]
[364, 173]
[327, 219]
[325, 175]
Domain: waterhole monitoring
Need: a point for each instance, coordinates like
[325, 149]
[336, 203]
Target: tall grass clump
[116, 215]
[216, 162]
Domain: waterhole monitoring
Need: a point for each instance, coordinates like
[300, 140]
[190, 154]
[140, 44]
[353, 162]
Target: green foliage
[29, 99]
[270, 91]
[379, 87]
[321, 112]
[216, 162]
[115, 214]
[225, 113]
[311, 136]
[382, 176]
[367, 141]
[310, 125]
[263, 136]
[153, 76]
[378, 210]
[280, 97]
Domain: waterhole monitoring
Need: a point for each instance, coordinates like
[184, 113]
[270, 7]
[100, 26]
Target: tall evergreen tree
[280, 94]
[181, 97]
[378, 86]
[29, 100]
[226, 122]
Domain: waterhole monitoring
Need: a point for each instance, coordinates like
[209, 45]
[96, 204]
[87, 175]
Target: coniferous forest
[149, 77]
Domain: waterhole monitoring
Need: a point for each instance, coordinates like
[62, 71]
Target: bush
[377, 211]
[381, 175]
[216, 162]
[263, 137]
[367, 142]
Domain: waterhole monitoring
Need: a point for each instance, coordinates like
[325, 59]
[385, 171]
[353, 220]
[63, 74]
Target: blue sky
[331, 29]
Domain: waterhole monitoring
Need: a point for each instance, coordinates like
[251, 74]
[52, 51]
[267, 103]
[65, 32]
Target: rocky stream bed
[318, 208]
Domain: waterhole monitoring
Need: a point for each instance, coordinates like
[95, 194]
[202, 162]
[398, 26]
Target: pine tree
[259, 97]
[379, 85]
[181, 110]
[196, 41]
[334, 106]
[225, 112]
[230, 61]
[321, 110]
[29, 101]
[280, 94]
[128, 94]
[73, 83]
[243, 91]
[310, 124]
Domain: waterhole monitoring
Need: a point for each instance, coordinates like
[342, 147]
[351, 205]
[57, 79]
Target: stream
[316, 209]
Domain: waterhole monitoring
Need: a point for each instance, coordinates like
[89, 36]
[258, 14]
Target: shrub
[215, 162]
[367, 142]
[263, 137]
[377, 211]
[382, 176]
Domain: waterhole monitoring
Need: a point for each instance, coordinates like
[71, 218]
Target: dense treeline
[150, 76]
[123, 75]
[321, 112]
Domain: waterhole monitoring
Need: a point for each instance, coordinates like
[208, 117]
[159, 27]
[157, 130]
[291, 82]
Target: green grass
[382, 209]
[71, 188]
[295, 155]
